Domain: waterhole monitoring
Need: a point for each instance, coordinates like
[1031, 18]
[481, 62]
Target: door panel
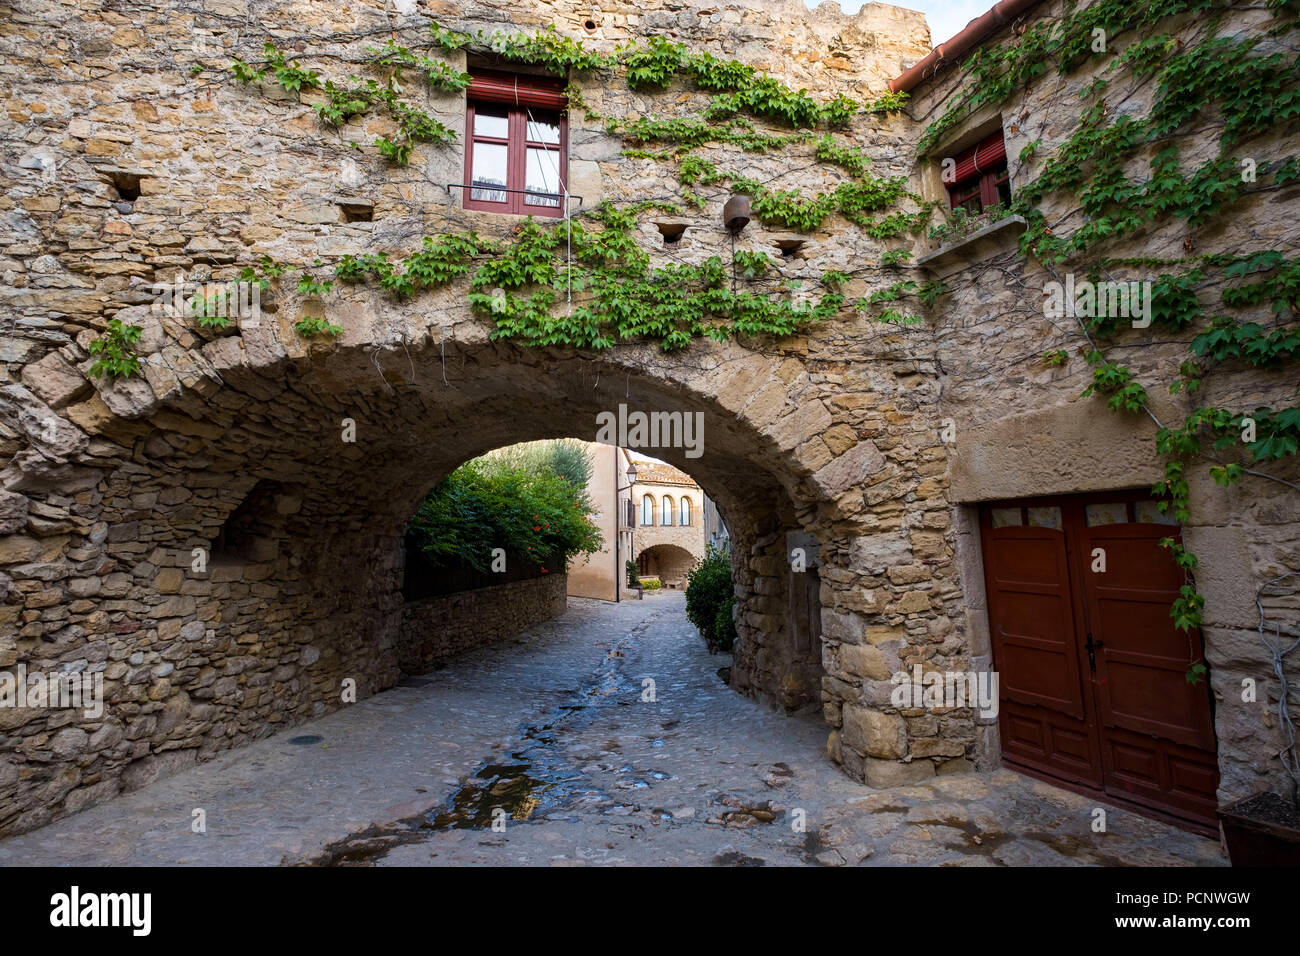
[1160, 773]
[1044, 710]
[1123, 718]
[1142, 660]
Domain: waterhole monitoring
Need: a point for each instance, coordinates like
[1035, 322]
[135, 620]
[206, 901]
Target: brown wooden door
[1046, 714]
[1091, 668]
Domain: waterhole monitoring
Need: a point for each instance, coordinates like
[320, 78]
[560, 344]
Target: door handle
[1092, 646]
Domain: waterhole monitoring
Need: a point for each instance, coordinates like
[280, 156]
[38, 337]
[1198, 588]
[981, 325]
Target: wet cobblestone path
[554, 737]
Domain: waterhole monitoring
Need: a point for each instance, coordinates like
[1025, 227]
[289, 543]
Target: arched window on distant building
[647, 510]
[685, 517]
[666, 510]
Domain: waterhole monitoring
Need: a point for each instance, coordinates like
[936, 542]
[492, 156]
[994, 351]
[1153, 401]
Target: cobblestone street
[552, 729]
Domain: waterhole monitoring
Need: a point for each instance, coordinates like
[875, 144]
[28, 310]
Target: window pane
[967, 196]
[543, 127]
[685, 517]
[543, 177]
[1003, 187]
[1006, 517]
[1148, 513]
[666, 511]
[490, 170]
[1110, 512]
[491, 121]
[1045, 518]
[647, 510]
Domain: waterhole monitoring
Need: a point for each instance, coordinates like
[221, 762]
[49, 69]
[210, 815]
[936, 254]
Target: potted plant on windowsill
[1263, 829]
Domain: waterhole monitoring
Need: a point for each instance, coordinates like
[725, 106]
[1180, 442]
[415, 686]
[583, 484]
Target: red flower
[537, 527]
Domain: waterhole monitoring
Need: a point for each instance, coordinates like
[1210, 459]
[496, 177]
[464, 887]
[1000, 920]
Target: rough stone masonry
[123, 166]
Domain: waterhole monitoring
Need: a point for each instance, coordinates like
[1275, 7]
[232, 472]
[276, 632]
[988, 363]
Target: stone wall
[436, 629]
[1021, 427]
[111, 486]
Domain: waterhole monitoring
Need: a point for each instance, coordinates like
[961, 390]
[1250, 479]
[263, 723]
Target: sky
[946, 17]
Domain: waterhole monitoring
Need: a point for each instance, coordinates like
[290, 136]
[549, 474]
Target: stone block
[873, 733]
[864, 660]
[894, 773]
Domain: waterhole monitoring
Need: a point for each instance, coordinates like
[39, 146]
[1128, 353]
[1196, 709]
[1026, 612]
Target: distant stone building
[647, 511]
[670, 532]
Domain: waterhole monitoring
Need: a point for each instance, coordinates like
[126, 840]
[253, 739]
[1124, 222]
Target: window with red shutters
[980, 179]
[516, 144]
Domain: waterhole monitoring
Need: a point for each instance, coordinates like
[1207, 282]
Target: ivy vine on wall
[1221, 78]
[610, 291]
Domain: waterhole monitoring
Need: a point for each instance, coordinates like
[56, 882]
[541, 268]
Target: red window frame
[518, 95]
[981, 178]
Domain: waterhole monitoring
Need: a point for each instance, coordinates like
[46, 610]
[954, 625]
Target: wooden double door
[1092, 672]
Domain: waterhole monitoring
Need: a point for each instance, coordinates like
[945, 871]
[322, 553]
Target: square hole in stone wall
[671, 231]
[126, 186]
[356, 212]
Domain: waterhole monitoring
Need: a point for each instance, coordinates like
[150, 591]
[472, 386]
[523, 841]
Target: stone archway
[292, 472]
[233, 445]
[668, 562]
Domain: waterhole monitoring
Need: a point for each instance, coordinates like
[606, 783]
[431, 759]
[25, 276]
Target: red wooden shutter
[990, 152]
[979, 157]
[540, 91]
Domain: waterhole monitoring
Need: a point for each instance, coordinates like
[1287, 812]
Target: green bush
[724, 625]
[710, 597]
[633, 573]
[529, 506]
[651, 584]
[565, 457]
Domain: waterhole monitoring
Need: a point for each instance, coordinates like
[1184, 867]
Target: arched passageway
[247, 500]
[670, 563]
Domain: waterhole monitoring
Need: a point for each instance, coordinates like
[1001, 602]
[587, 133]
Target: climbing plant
[584, 281]
[115, 347]
[741, 93]
[1218, 77]
[360, 97]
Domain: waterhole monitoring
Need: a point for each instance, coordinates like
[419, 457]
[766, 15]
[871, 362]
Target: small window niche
[790, 246]
[672, 232]
[356, 212]
[125, 186]
[249, 533]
